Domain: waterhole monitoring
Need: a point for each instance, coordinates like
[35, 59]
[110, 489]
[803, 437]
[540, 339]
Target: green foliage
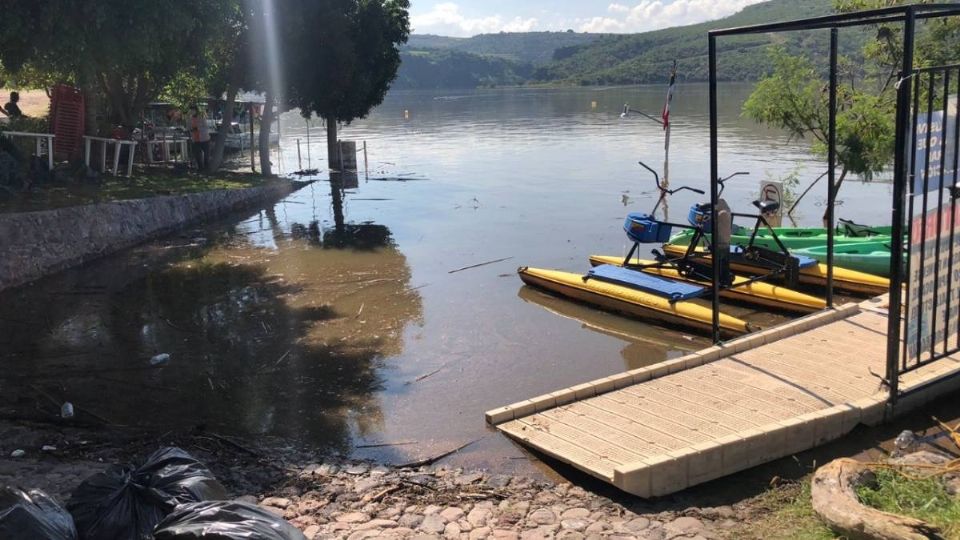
[126, 50]
[437, 68]
[925, 499]
[646, 58]
[522, 47]
[795, 98]
[353, 58]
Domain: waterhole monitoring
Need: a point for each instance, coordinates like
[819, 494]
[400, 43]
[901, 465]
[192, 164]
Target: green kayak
[869, 257]
[796, 237]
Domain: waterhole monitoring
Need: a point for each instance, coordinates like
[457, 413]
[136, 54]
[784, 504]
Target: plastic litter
[160, 359]
[33, 515]
[127, 502]
[48, 448]
[66, 410]
[18, 453]
[228, 520]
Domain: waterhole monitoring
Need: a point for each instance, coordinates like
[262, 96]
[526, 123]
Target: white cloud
[446, 19]
[657, 14]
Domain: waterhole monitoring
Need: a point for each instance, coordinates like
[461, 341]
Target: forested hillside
[597, 59]
[645, 58]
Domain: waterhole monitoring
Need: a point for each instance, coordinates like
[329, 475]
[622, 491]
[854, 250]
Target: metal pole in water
[309, 159]
[299, 157]
[366, 168]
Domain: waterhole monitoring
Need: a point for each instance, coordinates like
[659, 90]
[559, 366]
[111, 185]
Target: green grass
[143, 184]
[922, 499]
[787, 514]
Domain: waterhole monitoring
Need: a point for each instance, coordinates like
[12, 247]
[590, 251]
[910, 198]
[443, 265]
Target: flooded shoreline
[332, 318]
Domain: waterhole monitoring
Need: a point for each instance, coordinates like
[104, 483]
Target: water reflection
[284, 338]
[646, 344]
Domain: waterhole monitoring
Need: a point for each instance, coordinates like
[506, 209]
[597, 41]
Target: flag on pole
[665, 116]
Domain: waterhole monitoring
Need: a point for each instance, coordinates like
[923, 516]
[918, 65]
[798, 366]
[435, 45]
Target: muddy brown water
[333, 319]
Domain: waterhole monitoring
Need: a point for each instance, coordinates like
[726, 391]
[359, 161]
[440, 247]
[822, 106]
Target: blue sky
[471, 17]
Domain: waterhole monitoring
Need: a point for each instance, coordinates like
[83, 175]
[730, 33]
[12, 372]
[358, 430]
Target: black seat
[767, 207]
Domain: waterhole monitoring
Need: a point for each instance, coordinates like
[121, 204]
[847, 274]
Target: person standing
[200, 133]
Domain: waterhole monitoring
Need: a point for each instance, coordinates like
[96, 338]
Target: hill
[430, 69]
[522, 47]
[646, 57]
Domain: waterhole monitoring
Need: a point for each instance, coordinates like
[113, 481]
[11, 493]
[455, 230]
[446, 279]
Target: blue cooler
[644, 229]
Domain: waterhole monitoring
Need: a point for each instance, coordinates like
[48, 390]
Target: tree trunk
[266, 120]
[333, 149]
[836, 191]
[216, 153]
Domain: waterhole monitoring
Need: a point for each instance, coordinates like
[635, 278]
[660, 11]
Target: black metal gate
[931, 277]
[924, 307]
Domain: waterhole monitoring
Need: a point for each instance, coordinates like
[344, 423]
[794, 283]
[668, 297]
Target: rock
[160, 359]
[480, 533]
[18, 453]
[682, 525]
[432, 523]
[478, 517]
[326, 469]
[378, 524]
[379, 470]
[276, 502]
[312, 532]
[357, 469]
[726, 512]
[48, 448]
[570, 535]
[410, 521]
[432, 509]
[249, 499]
[542, 516]
[353, 517]
[640, 524]
[501, 534]
[452, 513]
[499, 481]
[596, 528]
[575, 513]
[469, 478]
[361, 535]
[366, 484]
[452, 531]
[575, 524]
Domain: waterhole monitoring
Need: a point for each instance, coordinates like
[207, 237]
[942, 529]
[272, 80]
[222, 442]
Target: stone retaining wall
[35, 244]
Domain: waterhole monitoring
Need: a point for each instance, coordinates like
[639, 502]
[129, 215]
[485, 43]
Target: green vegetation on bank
[434, 69]
[145, 183]
[925, 499]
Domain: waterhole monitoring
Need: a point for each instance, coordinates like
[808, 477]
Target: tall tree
[353, 57]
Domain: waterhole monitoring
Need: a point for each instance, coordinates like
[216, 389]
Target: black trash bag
[227, 520]
[33, 515]
[126, 503]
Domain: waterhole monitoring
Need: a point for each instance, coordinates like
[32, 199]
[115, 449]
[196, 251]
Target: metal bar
[953, 208]
[875, 16]
[831, 162]
[936, 68]
[714, 183]
[899, 189]
[923, 212]
[911, 166]
[936, 257]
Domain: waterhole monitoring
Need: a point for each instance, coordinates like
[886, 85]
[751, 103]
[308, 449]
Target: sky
[464, 18]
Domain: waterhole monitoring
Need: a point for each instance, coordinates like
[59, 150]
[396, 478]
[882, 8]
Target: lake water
[333, 319]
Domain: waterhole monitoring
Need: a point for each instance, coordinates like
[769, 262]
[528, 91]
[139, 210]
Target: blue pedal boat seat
[667, 288]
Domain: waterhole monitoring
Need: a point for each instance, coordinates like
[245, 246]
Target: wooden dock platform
[664, 428]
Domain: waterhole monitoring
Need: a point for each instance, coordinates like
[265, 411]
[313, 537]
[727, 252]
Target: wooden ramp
[661, 429]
